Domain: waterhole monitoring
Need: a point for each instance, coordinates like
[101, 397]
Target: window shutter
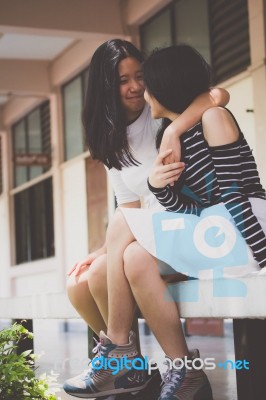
[46, 127]
[229, 35]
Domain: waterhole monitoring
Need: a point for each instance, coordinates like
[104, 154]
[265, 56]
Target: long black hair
[104, 118]
[175, 76]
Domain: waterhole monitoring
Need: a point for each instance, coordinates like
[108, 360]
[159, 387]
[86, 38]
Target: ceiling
[32, 47]
[32, 31]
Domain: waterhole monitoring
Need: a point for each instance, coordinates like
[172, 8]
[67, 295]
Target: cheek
[122, 92]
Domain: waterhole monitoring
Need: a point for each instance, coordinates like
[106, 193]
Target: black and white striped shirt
[212, 175]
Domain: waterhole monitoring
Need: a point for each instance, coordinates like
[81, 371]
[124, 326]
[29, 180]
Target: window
[33, 207]
[32, 145]
[34, 223]
[157, 32]
[183, 21]
[219, 30]
[73, 100]
[192, 25]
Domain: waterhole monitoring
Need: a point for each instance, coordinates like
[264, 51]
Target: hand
[79, 267]
[171, 141]
[162, 175]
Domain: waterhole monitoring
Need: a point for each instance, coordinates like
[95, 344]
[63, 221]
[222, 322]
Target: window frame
[31, 183]
[24, 119]
[49, 225]
[82, 76]
[172, 21]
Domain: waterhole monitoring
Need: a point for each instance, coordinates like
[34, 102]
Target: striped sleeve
[175, 202]
[229, 168]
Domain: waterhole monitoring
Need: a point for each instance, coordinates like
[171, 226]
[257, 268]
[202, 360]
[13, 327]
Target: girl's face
[131, 87]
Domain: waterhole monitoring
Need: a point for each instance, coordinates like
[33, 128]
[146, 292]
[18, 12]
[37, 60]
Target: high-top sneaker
[181, 383]
[112, 372]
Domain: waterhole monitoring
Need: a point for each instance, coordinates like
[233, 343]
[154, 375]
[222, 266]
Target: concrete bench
[243, 300]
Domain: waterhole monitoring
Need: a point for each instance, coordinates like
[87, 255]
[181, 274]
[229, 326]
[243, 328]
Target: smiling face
[131, 87]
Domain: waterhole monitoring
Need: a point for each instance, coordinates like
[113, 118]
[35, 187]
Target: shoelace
[172, 379]
[98, 351]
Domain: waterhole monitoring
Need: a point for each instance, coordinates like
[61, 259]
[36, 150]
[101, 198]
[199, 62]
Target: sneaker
[185, 384]
[153, 388]
[151, 391]
[102, 379]
[74, 381]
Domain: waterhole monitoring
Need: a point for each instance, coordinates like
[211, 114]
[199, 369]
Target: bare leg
[150, 292]
[80, 293]
[88, 294]
[97, 284]
[139, 273]
[121, 303]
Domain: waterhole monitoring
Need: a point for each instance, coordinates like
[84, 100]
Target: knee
[115, 227]
[134, 263]
[76, 286]
[97, 276]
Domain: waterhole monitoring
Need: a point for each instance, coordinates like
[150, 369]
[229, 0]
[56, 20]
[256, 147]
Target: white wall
[74, 211]
[241, 100]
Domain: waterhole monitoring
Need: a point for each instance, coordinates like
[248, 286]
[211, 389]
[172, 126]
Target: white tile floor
[65, 353]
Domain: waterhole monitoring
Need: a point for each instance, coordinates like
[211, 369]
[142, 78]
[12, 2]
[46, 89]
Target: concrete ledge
[221, 298]
[50, 305]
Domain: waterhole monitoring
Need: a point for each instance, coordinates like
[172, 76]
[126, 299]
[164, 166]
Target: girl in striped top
[218, 163]
[217, 171]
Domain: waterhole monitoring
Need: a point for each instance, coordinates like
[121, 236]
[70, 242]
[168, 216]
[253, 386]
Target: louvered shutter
[229, 35]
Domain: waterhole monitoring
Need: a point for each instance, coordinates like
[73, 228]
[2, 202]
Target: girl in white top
[130, 184]
[121, 133]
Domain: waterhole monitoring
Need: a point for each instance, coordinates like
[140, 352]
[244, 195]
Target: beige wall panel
[61, 17]
[138, 11]
[241, 100]
[75, 59]
[74, 211]
[35, 283]
[257, 29]
[259, 85]
[255, 7]
[24, 77]
[19, 107]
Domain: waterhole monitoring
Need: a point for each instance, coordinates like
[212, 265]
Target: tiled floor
[65, 353]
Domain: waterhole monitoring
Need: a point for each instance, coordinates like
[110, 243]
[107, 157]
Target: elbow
[220, 97]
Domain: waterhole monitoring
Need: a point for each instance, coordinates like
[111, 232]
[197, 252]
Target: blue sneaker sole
[118, 394]
[106, 393]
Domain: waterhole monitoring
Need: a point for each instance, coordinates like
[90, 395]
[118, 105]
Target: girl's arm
[161, 176]
[213, 98]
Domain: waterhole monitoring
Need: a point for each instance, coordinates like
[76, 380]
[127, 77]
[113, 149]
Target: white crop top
[130, 184]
